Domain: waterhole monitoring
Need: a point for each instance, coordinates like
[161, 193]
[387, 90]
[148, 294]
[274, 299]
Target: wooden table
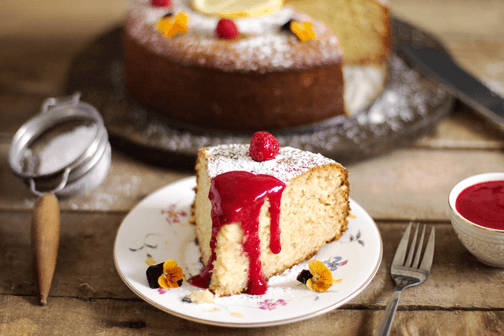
[39, 39]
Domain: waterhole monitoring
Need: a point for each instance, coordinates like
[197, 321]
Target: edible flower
[322, 276]
[171, 26]
[172, 275]
[319, 278]
[303, 30]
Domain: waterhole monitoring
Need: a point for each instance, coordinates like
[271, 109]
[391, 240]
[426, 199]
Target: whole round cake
[256, 65]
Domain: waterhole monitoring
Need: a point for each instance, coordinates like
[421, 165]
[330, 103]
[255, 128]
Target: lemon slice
[237, 8]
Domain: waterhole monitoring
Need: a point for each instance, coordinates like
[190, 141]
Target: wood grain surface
[39, 40]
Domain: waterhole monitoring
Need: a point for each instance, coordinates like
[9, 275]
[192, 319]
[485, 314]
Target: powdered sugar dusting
[262, 45]
[288, 163]
[363, 83]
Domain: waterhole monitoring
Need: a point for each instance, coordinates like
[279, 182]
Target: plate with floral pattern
[158, 229]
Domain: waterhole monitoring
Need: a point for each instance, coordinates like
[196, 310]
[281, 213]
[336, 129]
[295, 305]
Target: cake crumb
[237, 314]
[149, 261]
[201, 297]
[214, 309]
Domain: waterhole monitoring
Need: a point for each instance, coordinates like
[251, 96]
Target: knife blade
[457, 81]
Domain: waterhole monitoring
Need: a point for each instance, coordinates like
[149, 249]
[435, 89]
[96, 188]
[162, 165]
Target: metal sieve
[64, 150]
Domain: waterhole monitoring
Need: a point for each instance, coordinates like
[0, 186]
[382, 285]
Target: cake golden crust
[211, 97]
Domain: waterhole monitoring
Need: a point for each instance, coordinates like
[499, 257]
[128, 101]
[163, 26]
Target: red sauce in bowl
[483, 204]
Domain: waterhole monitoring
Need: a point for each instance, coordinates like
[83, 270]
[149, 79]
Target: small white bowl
[485, 244]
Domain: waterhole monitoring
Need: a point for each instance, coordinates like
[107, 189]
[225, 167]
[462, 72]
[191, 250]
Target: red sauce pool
[238, 196]
[483, 204]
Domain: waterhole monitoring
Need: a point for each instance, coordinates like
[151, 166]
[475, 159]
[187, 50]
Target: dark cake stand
[410, 106]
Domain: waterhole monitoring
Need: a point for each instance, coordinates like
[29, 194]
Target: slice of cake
[255, 219]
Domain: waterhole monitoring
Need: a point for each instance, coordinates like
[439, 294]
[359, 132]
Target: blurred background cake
[285, 65]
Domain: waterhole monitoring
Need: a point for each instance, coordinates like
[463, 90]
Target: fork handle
[390, 312]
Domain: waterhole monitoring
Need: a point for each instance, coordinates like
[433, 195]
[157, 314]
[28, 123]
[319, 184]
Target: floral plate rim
[129, 229]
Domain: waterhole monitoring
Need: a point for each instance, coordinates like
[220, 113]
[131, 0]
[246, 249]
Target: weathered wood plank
[65, 316]
[85, 267]
[16, 109]
[33, 66]
[72, 20]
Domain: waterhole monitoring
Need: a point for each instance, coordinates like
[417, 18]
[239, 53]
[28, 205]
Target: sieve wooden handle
[45, 241]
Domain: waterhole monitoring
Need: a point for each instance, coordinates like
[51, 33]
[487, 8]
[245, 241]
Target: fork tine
[429, 251]
[401, 249]
[419, 250]
[412, 248]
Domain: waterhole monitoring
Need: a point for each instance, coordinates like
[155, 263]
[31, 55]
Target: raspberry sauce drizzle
[238, 196]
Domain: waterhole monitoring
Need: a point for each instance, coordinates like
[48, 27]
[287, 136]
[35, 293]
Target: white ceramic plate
[158, 227]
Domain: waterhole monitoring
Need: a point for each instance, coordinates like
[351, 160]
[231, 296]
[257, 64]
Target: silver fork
[408, 274]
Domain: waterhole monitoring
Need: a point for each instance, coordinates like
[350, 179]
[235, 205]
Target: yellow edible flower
[172, 275]
[303, 30]
[322, 276]
[171, 26]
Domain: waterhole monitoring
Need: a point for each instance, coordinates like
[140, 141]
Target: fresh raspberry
[161, 3]
[226, 29]
[263, 146]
